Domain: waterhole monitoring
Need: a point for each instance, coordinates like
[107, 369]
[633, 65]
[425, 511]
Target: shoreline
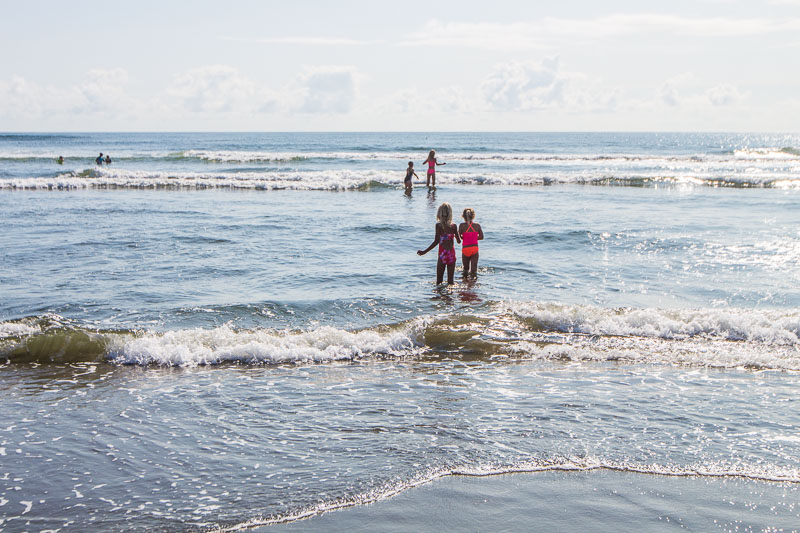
[563, 500]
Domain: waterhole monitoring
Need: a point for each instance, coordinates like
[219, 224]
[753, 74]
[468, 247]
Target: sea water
[219, 330]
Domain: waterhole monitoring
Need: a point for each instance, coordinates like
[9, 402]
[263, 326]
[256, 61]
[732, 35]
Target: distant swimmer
[99, 159]
[446, 231]
[432, 162]
[409, 172]
[108, 159]
[471, 233]
[60, 160]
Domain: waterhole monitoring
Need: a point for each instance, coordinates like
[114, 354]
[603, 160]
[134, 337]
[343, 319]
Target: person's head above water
[468, 214]
[432, 153]
[445, 215]
[410, 164]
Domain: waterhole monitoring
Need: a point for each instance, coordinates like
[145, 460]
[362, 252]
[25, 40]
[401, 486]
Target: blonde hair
[468, 215]
[445, 215]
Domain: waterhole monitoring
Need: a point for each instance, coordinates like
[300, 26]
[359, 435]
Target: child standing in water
[432, 162]
[471, 232]
[409, 172]
[446, 231]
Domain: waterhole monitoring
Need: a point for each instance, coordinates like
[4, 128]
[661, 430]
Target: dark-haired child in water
[432, 162]
[471, 233]
[409, 172]
[446, 231]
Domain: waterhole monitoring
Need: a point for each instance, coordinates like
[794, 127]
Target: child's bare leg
[465, 261]
[473, 261]
[439, 272]
[451, 270]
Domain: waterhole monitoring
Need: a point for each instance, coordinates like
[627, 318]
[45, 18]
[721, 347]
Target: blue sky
[702, 65]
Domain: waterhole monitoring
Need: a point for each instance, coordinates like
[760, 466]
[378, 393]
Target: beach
[219, 332]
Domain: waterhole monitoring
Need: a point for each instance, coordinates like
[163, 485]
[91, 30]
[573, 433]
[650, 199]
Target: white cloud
[101, 92]
[537, 35]
[209, 90]
[327, 89]
[218, 89]
[223, 89]
[520, 86]
[413, 102]
[20, 97]
[670, 92]
[309, 41]
[484, 35]
[526, 86]
[725, 95]
[683, 91]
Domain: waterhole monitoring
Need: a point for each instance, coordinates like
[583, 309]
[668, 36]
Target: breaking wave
[339, 180]
[724, 338]
[765, 154]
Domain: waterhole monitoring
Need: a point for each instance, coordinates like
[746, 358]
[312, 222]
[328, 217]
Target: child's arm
[415, 175]
[429, 248]
[458, 235]
[480, 233]
[437, 162]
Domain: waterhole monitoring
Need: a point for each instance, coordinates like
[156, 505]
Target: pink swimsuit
[469, 243]
[447, 255]
[431, 166]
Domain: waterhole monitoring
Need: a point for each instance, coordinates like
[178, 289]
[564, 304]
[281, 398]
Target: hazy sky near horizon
[700, 65]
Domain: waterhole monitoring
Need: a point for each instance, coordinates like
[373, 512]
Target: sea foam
[775, 327]
[339, 180]
[192, 347]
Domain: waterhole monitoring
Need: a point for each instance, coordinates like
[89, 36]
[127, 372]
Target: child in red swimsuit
[445, 232]
[471, 232]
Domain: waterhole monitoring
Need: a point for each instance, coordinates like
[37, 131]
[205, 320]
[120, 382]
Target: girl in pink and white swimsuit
[432, 162]
[446, 232]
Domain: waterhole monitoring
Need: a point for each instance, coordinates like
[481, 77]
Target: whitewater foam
[192, 347]
[18, 329]
[767, 153]
[339, 180]
[775, 327]
[724, 338]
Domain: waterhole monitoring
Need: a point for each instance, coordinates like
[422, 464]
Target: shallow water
[183, 351]
[598, 500]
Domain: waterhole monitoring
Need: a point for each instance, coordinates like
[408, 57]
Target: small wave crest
[50, 339]
[530, 466]
[339, 180]
[105, 178]
[787, 152]
[225, 345]
[759, 326]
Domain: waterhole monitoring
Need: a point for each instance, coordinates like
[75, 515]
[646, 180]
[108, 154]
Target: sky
[502, 65]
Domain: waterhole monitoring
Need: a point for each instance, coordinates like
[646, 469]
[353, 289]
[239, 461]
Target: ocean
[220, 331]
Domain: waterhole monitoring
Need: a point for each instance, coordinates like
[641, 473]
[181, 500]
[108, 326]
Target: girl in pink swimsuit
[471, 232]
[432, 162]
[446, 231]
